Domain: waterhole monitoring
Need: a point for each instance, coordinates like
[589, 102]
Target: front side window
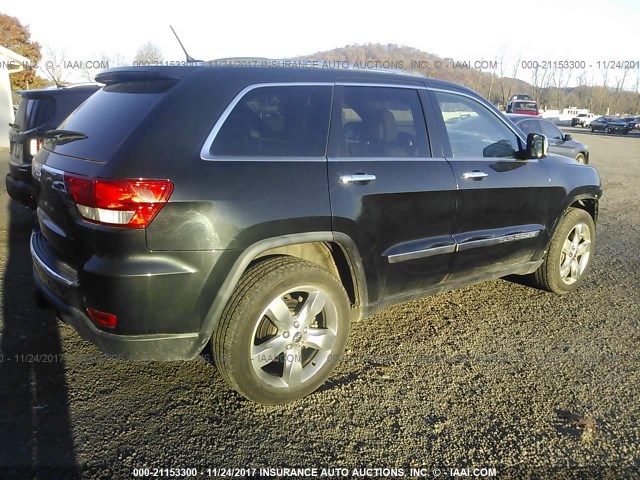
[278, 121]
[473, 130]
[382, 122]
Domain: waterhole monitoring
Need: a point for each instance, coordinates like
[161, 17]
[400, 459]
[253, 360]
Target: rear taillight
[122, 203]
[34, 146]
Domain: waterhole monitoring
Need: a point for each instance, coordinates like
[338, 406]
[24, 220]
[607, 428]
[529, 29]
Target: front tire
[580, 158]
[570, 252]
[283, 330]
[607, 130]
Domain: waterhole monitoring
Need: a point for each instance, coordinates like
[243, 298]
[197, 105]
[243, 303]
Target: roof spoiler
[138, 74]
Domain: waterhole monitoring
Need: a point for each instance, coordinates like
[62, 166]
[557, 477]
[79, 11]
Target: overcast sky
[583, 30]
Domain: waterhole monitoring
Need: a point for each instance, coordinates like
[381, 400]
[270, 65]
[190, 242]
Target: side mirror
[537, 145]
[567, 137]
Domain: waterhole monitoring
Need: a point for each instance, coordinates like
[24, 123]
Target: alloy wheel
[576, 252]
[294, 336]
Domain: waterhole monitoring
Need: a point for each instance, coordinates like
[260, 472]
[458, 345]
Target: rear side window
[549, 130]
[382, 122]
[530, 126]
[33, 112]
[278, 121]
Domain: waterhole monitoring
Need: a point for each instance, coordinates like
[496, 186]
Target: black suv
[259, 211]
[38, 111]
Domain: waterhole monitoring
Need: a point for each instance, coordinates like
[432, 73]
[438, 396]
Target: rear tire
[607, 130]
[283, 330]
[570, 252]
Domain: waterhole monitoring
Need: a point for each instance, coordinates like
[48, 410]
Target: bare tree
[54, 65]
[637, 90]
[493, 77]
[540, 82]
[507, 95]
[89, 70]
[149, 53]
[604, 103]
[619, 87]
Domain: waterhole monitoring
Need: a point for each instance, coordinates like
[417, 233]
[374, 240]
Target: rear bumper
[61, 290]
[22, 191]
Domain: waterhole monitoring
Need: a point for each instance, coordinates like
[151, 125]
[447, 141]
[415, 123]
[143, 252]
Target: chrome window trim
[386, 159]
[204, 151]
[345, 83]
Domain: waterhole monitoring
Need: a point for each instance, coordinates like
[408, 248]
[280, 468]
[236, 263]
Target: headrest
[380, 126]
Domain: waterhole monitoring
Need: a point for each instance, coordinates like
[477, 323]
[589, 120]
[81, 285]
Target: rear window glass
[33, 112]
[109, 116]
[279, 121]
[528, 106]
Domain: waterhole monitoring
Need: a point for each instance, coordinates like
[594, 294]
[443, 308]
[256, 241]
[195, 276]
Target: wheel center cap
[297, 337]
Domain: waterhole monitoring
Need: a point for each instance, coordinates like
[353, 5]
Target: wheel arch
[587, 201]
[334, 251]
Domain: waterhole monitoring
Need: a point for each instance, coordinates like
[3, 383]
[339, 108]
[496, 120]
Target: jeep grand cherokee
[39, 111]
[258, 212]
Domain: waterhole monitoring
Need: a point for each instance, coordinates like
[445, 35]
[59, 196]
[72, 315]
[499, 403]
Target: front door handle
[357, 178]
[474, 175]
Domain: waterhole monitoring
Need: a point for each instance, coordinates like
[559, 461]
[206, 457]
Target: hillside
[487, 80]
[400, 57]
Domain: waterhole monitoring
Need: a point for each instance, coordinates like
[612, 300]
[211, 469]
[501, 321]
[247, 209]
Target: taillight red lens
[103, 318]
[81, 190]
[124, 203]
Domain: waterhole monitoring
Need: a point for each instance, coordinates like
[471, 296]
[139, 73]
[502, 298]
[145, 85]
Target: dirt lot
[499, 375]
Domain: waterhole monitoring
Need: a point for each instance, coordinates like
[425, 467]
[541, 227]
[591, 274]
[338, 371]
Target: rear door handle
[357, 178]
[474, 175]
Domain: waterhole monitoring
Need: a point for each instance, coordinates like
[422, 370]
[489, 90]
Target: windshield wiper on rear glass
[61, 137]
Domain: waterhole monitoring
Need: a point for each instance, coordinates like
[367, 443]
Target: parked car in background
[38, 112]
[609, 125]
[634, 122]
[583, 119]
[259, 211]
[559, 143]
[523, 107]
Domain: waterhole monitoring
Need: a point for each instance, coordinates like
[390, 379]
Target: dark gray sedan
[610, 125]
[559, 143]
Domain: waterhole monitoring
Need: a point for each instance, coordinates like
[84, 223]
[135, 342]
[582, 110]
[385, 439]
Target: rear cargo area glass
[109, 116]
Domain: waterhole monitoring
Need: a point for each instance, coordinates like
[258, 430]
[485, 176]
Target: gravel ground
[498, 375]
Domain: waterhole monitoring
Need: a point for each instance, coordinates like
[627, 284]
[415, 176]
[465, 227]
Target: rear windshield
[109, 116]
[529, 106]
[33, 112]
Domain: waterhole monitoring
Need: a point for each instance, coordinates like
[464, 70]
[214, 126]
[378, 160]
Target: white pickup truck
[583, 119]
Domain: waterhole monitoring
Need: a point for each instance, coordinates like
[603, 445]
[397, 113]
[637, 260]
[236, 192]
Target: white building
[10, 62]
